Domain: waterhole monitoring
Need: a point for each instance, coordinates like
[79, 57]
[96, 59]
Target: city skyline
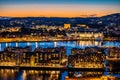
[61, 8]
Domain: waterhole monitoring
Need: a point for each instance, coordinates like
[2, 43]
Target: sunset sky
[58, 8]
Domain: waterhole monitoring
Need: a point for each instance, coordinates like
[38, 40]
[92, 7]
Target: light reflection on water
[10, 74]
[67, 44]
[13, 74]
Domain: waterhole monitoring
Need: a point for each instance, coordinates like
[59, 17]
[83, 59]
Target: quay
[52, 68]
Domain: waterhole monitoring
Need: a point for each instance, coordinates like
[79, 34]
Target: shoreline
[20, 40]
[51, 68]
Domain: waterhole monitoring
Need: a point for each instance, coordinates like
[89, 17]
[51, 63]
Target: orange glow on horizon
[49, 14]
[56, 10]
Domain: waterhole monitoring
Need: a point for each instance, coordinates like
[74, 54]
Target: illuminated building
[93, 57]
[32, 60]
[114, 53]
[18, 49]
[44, 56]
[90, 35]
[86, 35]
[113, 58]
[41, 58]
[7, 58]
[60, 50]
[93, 78]
[67, 26]
[86, 50]
[77, 51]
[108, 78]
[82, 25]
[11, 29]
[48, 58]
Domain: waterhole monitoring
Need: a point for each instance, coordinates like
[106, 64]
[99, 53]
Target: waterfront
[18, 74]
[67, 44]
[60, 40]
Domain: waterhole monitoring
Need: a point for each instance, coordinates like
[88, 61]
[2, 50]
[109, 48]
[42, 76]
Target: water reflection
[0, 47]
[84, 74]
[80, 44]
[94, 75]
[40, 75]
[84, 44]
[7, 74]
[67, 44]
[111, 43]
[16, 74]
[13, 74]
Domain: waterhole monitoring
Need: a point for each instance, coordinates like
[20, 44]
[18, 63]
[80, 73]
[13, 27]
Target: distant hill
[82, 16]
[112, 15]
[59, 21]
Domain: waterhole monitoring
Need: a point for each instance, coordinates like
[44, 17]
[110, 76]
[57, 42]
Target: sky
[58, 8]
